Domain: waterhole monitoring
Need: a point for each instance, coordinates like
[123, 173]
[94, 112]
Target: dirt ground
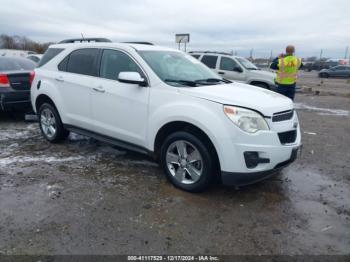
[85, 197]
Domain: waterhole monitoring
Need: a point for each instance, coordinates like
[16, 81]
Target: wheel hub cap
[184, 162]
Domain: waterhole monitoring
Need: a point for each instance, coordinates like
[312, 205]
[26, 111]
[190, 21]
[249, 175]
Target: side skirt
[109, 140]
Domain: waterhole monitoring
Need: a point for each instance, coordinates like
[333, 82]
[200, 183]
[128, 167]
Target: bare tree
[22, 43]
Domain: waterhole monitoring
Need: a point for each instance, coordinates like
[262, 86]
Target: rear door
[119, 110]
[76, 78]
[210, 61]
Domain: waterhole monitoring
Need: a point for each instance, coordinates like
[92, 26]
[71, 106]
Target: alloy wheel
[184, 162]
[48, 123]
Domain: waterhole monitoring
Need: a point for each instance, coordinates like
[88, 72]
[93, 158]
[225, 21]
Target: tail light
[4, 81]
[31, 77]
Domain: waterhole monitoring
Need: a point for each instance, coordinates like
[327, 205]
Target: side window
[49, 54]
[227, 64]
[113, 62]
[196, 56]
[63, 65]
[210, 61]
[83, 61]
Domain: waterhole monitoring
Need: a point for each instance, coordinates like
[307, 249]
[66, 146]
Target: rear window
[49, 54]
[210, 61]
[13, 64]
[83, 61]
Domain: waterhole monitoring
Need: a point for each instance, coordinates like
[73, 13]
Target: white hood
[262, 100]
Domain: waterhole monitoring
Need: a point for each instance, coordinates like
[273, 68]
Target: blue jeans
[286, 90]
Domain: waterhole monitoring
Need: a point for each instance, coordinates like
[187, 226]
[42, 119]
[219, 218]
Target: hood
[259, 99]
[264, 74]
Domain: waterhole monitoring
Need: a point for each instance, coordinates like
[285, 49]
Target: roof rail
[140, 43]
[83, 40]
[212, 52]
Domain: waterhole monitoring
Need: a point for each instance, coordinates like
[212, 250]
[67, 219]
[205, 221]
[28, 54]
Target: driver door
[229, 69]
[119, 110]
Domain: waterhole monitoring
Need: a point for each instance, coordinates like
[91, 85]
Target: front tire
[187, 162]
[324, 75]
[50, 124]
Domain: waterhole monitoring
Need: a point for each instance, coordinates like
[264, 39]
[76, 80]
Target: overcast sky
[223, 25]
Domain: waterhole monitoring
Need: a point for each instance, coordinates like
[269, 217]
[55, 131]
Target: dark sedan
[16, 75]
[336, 71]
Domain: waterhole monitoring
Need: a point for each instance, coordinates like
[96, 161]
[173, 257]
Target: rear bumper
[242, 179]
[15, 101]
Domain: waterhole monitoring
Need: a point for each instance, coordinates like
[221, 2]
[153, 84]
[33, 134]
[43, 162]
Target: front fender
[203, 115]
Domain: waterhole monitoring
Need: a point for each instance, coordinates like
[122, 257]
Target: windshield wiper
[182, 82]
[252, 68]
[212, 80]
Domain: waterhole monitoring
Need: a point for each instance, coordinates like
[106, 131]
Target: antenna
[82, 36]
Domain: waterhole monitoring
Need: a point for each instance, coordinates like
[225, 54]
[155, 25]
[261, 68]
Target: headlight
[247, 120]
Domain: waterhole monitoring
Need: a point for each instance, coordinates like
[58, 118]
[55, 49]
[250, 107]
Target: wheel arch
[41, 99]
[255, 82]
[174, 126]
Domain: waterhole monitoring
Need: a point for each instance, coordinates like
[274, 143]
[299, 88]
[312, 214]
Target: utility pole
[346, 52]
[321, 53]
[319, 64]
[251, 53]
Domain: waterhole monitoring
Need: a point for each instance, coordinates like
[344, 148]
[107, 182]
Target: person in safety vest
[287, 67]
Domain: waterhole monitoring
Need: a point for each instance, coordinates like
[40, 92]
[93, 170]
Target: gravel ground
[85, 197]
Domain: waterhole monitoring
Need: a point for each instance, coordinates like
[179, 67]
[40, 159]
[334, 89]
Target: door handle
[99, 89]
[59, 79]
[221, 73]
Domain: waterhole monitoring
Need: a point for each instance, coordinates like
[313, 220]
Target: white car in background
[236, 68]
[35, 58]
[165, 103]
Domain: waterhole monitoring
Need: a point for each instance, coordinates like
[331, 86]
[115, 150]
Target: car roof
[138, 47]
[213, 53]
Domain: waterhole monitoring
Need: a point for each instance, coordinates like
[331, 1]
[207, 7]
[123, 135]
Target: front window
[179, 69]
[246, 63]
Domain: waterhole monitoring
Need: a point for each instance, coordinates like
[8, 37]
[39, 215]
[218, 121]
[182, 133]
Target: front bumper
[15, 101]
[241, 179]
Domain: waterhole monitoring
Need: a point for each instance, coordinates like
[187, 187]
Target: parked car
[165, 103]
[336, 71]
[236, 68]
[318, 65]
[16, 75]
[35, 58]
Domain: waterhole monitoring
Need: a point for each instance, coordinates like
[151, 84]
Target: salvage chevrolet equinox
[163, 102]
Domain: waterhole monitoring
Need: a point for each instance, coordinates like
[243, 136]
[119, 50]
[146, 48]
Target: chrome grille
[283, 116]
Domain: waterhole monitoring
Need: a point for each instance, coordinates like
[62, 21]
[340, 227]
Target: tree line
[22, 43]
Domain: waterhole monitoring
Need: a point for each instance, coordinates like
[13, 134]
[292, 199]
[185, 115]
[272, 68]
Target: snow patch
[25, 159]
[322, 111]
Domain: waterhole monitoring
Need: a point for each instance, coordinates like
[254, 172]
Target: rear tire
[187, 162]
[50, 124]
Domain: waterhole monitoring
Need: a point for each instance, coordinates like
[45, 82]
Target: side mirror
[132, 78]
[238, 69]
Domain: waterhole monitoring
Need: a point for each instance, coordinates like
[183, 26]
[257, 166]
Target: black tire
[324, 75]
[60, 133]
[206, 179]
[262, 85]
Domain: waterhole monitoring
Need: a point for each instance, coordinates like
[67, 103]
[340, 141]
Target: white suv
[236, 68]
[163, 102]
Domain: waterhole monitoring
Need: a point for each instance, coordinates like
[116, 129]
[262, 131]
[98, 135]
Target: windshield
[13, 64]
[247, 64]
[179, 69]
